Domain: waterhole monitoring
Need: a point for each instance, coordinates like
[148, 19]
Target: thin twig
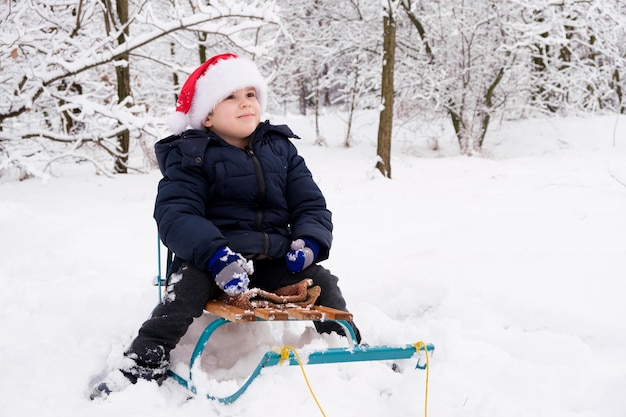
[623, 183]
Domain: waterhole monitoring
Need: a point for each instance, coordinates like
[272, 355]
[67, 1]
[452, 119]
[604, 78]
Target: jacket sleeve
[309, 217]
[179, 211]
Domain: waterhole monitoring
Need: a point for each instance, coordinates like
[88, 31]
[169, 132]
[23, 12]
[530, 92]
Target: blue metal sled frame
[352, 353]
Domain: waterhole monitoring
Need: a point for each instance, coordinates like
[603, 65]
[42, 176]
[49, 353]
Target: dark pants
[189, 289]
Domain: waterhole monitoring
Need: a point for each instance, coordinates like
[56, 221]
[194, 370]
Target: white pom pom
[177, 122]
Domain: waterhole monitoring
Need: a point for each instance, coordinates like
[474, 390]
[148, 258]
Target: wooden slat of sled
[304, 314]
[333, 314]
[271, 314]
[229, 312]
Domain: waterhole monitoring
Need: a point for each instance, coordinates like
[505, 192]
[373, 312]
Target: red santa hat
[209, 84]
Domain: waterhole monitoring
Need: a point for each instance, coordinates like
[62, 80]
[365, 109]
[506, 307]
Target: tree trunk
[175, 79]
[486, 116]
[618, 91]
[202, 37]
[319, 139]
[122, 73]
[351, 108]
[385, 125]
[302, 97]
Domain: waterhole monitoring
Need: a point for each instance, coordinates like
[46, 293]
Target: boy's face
[235, 117]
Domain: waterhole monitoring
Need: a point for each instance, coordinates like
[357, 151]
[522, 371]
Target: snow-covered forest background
[90, 81]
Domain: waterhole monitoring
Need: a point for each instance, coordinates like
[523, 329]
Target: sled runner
[354, 352]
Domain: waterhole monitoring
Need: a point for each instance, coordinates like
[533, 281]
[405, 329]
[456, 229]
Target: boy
[238, 207]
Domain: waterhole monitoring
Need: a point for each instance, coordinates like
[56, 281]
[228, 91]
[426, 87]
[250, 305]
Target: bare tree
[117, 21]
[463, 55]
[326, 42]
[385, 126]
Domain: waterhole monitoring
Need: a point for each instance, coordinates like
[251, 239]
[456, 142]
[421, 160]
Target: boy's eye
[251, 94]
[230, 97]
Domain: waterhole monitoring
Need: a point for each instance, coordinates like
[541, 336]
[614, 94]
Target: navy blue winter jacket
[256, 201]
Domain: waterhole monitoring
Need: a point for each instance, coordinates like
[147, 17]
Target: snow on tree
[59, 70]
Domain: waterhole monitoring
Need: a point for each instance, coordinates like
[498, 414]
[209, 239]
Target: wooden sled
[227, 314]
[352, 353]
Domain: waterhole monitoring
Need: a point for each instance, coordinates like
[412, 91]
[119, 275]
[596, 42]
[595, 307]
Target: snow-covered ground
[512, 265]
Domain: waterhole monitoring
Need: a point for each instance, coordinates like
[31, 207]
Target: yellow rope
[419, 345]
[284, 355]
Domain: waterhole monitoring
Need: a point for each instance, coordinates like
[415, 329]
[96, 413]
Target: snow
[512, 265]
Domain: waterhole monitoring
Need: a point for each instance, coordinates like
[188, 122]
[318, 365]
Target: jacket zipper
[260, 179]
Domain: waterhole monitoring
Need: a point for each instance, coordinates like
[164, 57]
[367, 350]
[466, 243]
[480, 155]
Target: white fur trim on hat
[177, 122]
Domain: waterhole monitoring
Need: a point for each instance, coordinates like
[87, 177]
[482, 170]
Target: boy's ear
[208, 122]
